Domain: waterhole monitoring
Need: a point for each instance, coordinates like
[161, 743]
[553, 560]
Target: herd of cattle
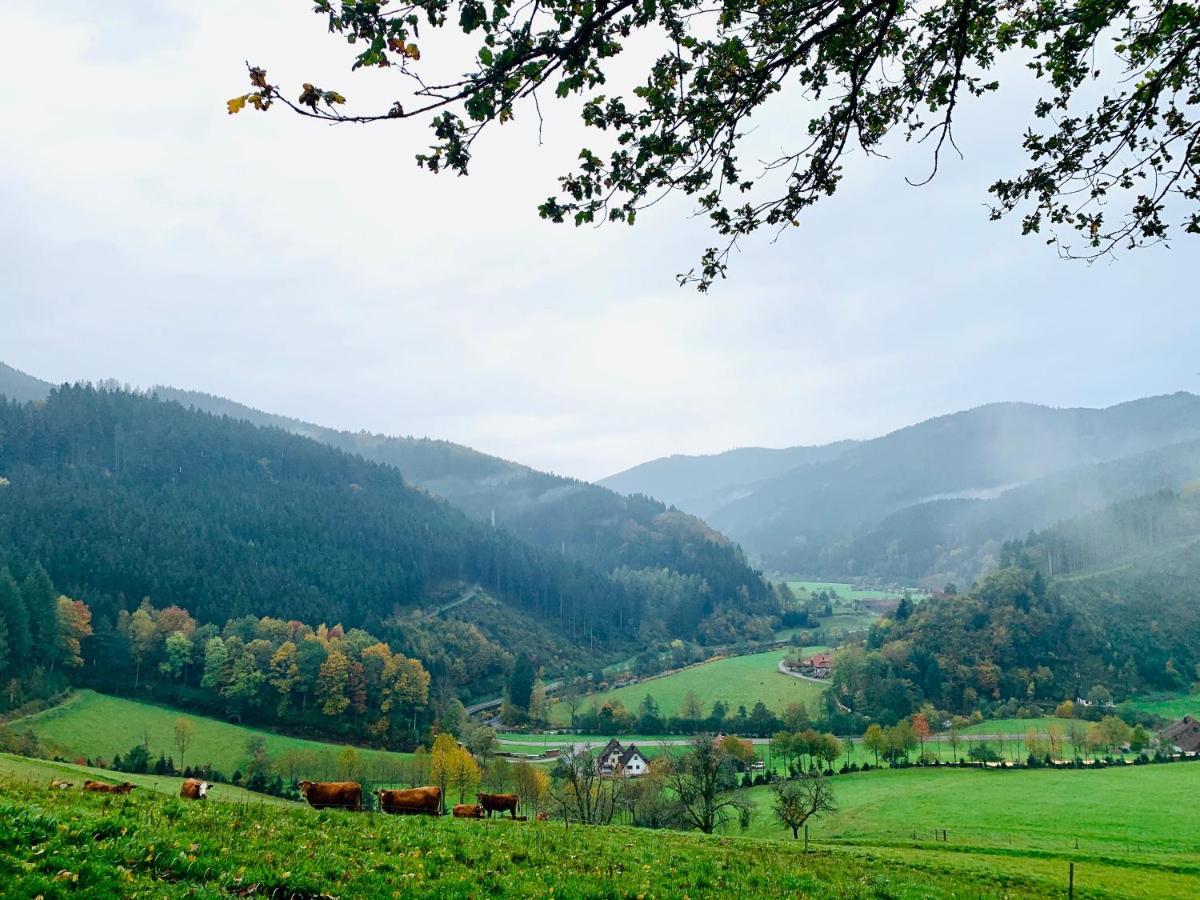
[423, 801]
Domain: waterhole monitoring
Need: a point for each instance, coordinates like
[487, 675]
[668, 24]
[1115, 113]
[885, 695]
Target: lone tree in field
[1113, 142]
[702, 781]
[184, 732]
[798, 801]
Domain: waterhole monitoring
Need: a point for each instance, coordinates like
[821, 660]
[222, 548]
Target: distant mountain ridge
[703, 484]
[814, 518]
[16, 385]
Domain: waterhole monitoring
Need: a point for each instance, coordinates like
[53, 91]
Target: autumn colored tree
[284, 672]
[920, 727]
[875, 740]
[331, 684]
[143, 638]
[74, 624]
[443, 762]
[532, 786]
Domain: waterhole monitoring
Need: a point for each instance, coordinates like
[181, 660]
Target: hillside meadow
[98, 726]
[1125, 828]
[40, 772]
[736, 681]
[68, 843]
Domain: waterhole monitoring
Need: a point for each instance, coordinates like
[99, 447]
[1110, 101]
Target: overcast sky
[316, 272]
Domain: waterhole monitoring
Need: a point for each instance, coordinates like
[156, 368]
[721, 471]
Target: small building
[616, 761]
[1183, 736]
[819, 665]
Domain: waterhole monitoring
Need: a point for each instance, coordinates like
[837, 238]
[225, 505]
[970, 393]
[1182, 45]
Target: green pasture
[58, 844]
[42, 772]
[736, 681]
[97, 726]
[1170, 707]
[848, 591]
[1125, 828]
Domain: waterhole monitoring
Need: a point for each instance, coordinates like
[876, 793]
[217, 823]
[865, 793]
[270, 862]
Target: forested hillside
[587, 523]
[1108, 600]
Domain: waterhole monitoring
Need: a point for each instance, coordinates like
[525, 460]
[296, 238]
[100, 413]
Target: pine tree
[41, 601]
[16, 620]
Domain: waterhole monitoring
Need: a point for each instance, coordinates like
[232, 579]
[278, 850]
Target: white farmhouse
[618, 761]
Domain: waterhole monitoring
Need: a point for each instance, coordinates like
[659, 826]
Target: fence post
[1071, 883]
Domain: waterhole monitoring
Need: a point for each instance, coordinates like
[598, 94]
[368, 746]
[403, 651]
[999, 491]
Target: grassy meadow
[1009, 834]
[846, 591]
[67, 843]
[1125, 828]
[98, 726]
[1171, 707]
[737, 680]
[40, 772]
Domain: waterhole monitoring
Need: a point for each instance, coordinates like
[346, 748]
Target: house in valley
[819, 665]
[1182, 736]
[622, 762]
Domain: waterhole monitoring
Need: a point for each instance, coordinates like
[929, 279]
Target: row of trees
[612, 717]
[267, 670]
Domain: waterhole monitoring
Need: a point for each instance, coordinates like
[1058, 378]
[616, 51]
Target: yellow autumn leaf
[334, 97]
[412, 51]
[237, 104]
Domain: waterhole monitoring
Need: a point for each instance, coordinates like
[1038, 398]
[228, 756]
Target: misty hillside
[703, 484]
[590, 524]
[954, 540]
[16, 385]
[934, 499]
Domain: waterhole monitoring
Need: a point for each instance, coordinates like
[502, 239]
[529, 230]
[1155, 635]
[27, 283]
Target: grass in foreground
[736, 681]
[59, 844]
[92, 726]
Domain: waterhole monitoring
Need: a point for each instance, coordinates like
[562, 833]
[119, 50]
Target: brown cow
[415, 801]
[332, 794]
[498, 803]
[542, 817]
[104, 788]
[194, 789]
[468, 811]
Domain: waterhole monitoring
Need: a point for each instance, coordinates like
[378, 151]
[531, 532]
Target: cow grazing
[422, 801]
[542, 817]
[468, 811]
[59, 785]
[332, 794]
[498, 803]
[104, 788]
[194, 789]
